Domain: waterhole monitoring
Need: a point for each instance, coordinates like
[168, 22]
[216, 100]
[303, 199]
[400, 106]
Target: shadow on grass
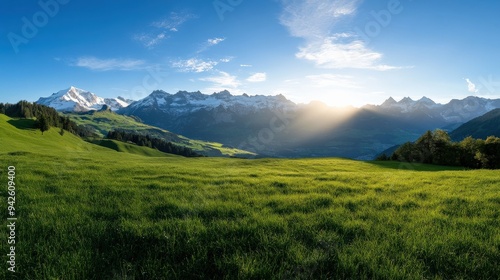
[396, 165]
[107, 144]
[22, 123]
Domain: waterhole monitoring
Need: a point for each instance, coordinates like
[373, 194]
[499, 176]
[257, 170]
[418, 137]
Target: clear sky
[341, 52]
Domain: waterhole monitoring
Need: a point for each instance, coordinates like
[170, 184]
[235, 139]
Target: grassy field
[88, 212]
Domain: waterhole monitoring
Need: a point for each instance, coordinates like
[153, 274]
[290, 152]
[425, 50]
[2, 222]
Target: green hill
[88, 212]
[19, 135]
[480, 127]
[104, 121]
[131, 148]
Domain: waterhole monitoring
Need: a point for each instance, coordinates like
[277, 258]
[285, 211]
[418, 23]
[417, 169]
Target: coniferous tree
[43, 124]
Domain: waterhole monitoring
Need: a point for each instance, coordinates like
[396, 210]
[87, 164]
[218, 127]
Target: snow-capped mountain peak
[78, 100]
[456, 111]
[184, 102]
[389, 102]
[407, 105]
[406, 100]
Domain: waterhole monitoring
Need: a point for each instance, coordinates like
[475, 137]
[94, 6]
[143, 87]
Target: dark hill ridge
[480, 127]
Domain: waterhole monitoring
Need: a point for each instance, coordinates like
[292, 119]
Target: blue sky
[341, 52]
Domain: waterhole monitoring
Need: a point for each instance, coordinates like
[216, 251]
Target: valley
[275, 126]
[102, 122]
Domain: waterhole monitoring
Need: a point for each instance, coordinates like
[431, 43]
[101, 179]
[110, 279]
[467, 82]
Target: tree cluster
[46, 117]
[437, 148]
[151, 142]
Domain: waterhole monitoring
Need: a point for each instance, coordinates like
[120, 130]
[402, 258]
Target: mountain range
[78, 100]
[276, 126]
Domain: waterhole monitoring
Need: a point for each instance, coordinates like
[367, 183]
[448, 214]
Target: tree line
[152, 142]
[437, 148]
[45, 116]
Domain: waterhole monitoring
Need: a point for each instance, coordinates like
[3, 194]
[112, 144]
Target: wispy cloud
[173, 21]
[210, 43]
[335, 53]
[257, 78]
[215, 41]
[314, 20]
[246, 65]
[471, 86]
[98, 64]
[226, 59]
[150, 41]
[161, 28]
[195, 65]
[222, 81]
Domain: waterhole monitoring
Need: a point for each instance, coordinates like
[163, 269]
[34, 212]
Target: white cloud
[210, 43]
[173, 21]
[331, 80]
[246, 65]
[471, 86]
[195, 65]
[97, 64]
[334, 53]
[198, 65]
[257, 78]
[150, 41]
[226, 60]
[215, 41]
[222, 81]
[314, 20]
[170, 23]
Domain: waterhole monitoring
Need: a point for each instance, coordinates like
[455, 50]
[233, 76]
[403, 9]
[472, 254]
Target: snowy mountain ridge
[456, 111]
[184, 103]
[187, 102]
[78, 100]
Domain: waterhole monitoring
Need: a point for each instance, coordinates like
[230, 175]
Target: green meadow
[101, 122]
[119, 211]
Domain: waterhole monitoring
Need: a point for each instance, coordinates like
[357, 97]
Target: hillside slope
[480, 127]
[131, 148]
[17, 136]
[104, 121]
